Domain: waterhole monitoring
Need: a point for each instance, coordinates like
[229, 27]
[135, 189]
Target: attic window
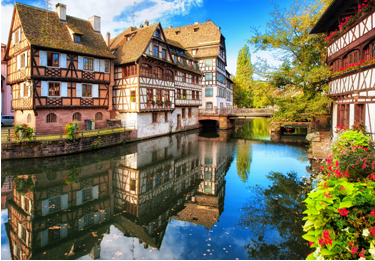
[157, 33]
[177, 32]
[196, 29]
[77, 38]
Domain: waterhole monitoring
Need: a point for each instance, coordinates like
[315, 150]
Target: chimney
[146, 23]
[141, 26]
[170, 26]
[108, 41]
[95, 22]
[196, 22]
[61, 11]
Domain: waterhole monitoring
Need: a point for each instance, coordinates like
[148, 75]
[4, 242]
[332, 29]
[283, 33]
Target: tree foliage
[300, 84]
[243, 79]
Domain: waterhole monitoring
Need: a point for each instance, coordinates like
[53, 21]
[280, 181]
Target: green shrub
[23, 185]
[72, 130]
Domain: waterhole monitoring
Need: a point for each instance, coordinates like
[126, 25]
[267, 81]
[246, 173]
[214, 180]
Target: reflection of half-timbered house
[151, 185]
[156, 82]
[350, 29]
[59, 68]
[205, 43]
[55, 219]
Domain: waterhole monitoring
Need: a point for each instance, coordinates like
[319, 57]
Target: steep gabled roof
[44, 28]
[195, 36]
[130, 51]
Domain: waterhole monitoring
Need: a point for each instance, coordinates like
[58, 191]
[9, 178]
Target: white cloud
[6, 18]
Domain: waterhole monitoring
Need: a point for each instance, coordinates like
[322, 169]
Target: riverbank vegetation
[340, 221]
[298, 88]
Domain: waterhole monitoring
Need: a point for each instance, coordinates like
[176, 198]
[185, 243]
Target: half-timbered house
[205, 43]
[350, 29]
[54, 218]
[156, 82]
[59, 68]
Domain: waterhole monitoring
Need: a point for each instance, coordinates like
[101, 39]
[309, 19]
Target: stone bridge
[226, 117]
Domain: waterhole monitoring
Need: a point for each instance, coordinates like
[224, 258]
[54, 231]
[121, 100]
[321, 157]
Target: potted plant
[22, 131]
[23, 185]
[132, 99]
[167, 103]
[159, 103]
[178, 96]
[72, 177]
[150, 103]
[184, 96]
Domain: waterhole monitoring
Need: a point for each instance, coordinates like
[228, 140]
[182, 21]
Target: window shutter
[96, 65]
[21, 90]
[27, 237]
[78, 89]
[23, 202]
[63, 60]
[19, 38]
[44, 88]
[64, 201]
[43, 58]
[18, 62]
[95, 192]
[19, 230]
[95, 90]
[44, 235]
[102, 66]
[79, 198]
[45, 207]
[14, 38]
[26, 59]
[96, 217]
[28, 91]
[64, 89]
[80, 224]
[80, 63]
[64, 230]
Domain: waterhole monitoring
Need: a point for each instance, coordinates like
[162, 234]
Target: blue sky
[235, 17]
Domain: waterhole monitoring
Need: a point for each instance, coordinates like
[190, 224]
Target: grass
[90, 133]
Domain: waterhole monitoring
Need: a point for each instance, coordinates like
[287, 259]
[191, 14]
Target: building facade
[6, 91]
[351, 52]
[205, 43]
[156, 84]
[59, 69]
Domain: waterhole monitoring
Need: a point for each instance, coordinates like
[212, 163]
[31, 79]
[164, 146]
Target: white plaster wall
[370, 119]
[127, 118]
[146, 128]
[351, 115]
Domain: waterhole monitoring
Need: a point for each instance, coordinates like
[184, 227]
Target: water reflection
[175, 197]
[276, 208]
[256, 129]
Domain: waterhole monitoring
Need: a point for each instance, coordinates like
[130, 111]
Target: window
[132, 184]
[207, 161]
[175, 58]
[106, 67]
[193, 95]
[194, 52]
[86, 194]
[359, 113]
[158, 95]
[51, 117]
[208, 92]
[351, 58]
[166, 95]
[25, 90]
[183, 77]
[28, 118]
[209, 105]
[184, 95]
[23, 233]
[86, 90]
[88, 64]
[343, 114]
[154, 117]
[98, 116]
[169, 75]
[54, 204]
[207, 175]
[179, 93]
[208, 76]
[156, 51]
[197, 95]
[209, 62]
[183, 113]
[158, 72]
[53, 234]
[150, 95]
[189, 112]
[166, 117]
[157, 179]
[129, 70]
[77, 116]
[53, 89]
[17, 37]
[146, 70]
[23, 56]
[77, 39]
[164, 54]
[132, 96]
[157, 33]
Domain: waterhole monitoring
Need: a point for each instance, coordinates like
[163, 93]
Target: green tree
[243, 160]
[300, 84]
[242, 81]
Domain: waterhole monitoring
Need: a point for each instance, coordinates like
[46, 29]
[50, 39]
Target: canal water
[204, 194]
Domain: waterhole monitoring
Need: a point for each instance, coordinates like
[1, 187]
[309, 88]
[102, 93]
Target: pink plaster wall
[6, 96]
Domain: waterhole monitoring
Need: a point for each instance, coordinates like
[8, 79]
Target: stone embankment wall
[36, 149]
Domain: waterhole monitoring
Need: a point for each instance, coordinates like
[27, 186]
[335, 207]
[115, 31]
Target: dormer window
[77, 38]
[157, 34]
[196, 29]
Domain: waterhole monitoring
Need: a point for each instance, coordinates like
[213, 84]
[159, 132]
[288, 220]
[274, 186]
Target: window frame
[107, 66]
[168, 75]
[53, 88]
[77, 116]
[52, 117]
[157, 72]
[209, 63]
[87, 66]
[75, 36]
[154, 117]
[209, 78]
[156, 51]
[183, 77]
[145, 70]
[97, 117]
[209, 95]
[164, 54]
[85, 88]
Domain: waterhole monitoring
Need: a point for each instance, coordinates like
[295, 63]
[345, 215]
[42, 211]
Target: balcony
[187, 102]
